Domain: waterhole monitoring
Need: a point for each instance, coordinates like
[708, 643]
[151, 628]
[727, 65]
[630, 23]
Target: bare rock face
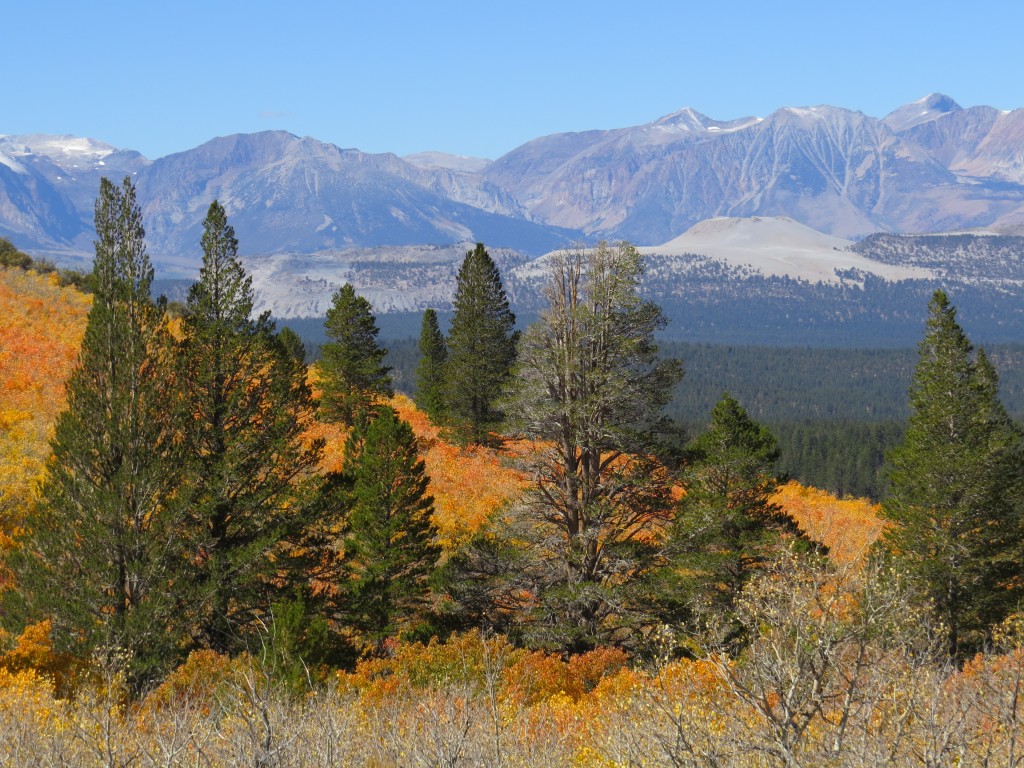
[981, 143]
[48, 186]
[285, 193]
[835, 170]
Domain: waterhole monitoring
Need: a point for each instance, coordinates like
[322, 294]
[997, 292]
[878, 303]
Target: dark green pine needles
[392, 544]
[105, 550]
[244, 403]
[431, 372]
[481, 347]
[353, 377]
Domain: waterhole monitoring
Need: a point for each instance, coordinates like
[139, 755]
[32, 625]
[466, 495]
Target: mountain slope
[286, 193]
[48, 186]
[283, 193]
[835, 170]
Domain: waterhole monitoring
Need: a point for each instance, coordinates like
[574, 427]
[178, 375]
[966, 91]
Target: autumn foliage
[848, 527]
[468, 484]
[40, 335]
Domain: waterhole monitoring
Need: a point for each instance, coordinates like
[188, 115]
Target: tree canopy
[105, 546]
[726, 529]
[244, 405]
[391, 547]
[431, 373]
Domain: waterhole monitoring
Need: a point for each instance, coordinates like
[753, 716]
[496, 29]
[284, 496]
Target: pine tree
[353, 378]
[955, 486]
[590, 390]
[244, 402]
[726, 528]
[292, 344]
[104, 554]
[430, 373]
[481, 347]
[391, 548]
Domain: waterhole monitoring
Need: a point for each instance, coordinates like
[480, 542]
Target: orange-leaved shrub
[848, 527]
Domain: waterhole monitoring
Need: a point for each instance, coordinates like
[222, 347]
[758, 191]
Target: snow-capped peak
[10, 162]
[687, 119]
[690, 120]
[67, 152]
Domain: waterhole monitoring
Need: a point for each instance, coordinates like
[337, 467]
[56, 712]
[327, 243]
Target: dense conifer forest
[835, 412]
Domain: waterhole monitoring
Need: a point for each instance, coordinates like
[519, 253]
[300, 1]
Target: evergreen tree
[956, 484]
[104, 554]
[353, 378]
[292, 344]
[726, 528]
[391, 548]
[481, 346]
[245, 402]
[430, 373]
[590, 389]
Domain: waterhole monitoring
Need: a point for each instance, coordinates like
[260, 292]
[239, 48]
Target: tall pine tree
[430, 373]
[589, 390]
[481, 347]
[353, 377]
[105, 555]
[245, 403]
[392, 545]
[956, 485]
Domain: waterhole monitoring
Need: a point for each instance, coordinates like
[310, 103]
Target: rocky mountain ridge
[928, 166]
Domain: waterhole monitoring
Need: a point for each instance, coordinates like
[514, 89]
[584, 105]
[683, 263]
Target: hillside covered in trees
[214, 554]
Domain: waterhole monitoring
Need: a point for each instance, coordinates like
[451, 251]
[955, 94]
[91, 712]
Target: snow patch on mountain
[68, 152]
[10, 162]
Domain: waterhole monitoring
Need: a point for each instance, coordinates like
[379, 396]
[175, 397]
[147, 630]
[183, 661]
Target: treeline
[993, 258]
[836, 412]
[861, 311]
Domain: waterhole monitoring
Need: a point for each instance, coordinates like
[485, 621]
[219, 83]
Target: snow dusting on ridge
[64, 151]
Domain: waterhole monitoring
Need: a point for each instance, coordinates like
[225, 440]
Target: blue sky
[480, 78]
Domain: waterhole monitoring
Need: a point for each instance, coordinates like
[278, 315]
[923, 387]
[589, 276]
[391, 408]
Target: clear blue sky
[480, 78]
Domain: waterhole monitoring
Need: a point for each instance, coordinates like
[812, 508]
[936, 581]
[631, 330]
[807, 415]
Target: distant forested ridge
[961, 256]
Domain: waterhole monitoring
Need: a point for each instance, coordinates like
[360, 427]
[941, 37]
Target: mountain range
[782, 197]
[928, 166]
